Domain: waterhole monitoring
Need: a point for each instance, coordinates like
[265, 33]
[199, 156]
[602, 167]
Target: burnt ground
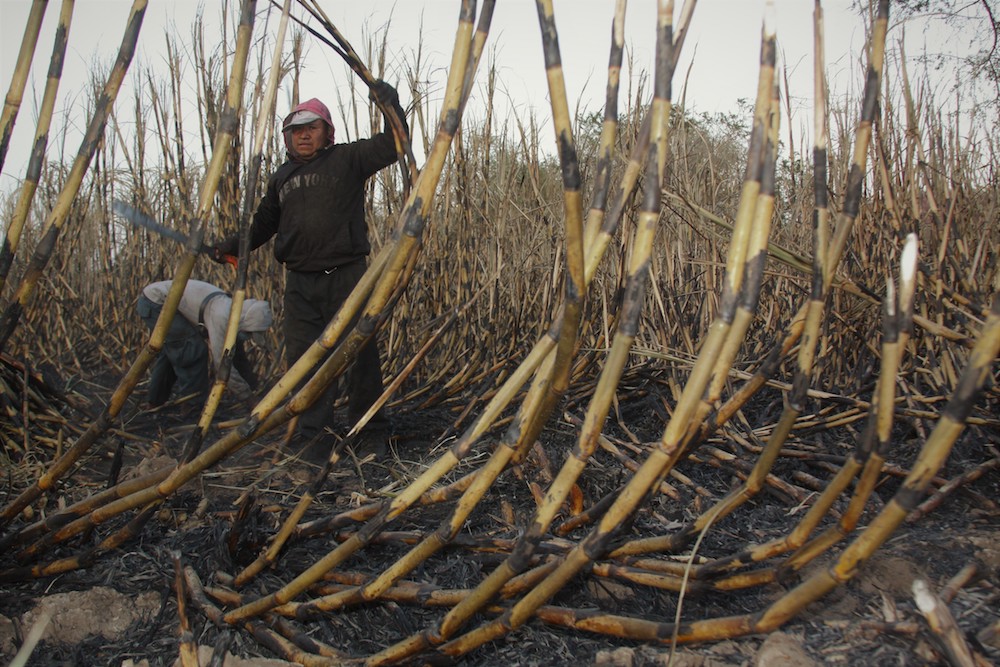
[871, 620]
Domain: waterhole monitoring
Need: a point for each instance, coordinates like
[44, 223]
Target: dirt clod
[99, 611]
[8, 637]
[781, 649]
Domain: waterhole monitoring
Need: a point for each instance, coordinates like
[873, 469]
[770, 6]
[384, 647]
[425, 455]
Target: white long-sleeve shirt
[256, 316]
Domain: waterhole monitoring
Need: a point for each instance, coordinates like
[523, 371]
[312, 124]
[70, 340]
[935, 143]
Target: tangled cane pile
[562, 393]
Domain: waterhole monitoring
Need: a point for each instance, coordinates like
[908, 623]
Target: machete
[140, 219]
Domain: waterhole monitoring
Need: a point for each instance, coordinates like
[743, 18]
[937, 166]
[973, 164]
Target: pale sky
[719, 62]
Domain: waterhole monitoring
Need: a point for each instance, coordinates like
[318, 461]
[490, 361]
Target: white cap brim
[302, 118]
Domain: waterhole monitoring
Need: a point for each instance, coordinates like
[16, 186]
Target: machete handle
[217, 255]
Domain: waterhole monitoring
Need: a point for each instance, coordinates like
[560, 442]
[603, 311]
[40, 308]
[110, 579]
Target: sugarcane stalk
[407, 162]
[270, 554]
[863, 134]
[488, 474]
[21, 299]
[46, 246]
[560, 488]
[821, 268]
[403, 250]
[659, 112]
[264, 634]
[552, 376]
[874, 444]
[837, 242]
[188, 649]
[33, 171]
[751, 224]
[82, 507]
[931, 458]
[754, 272]
[405, 243]
[15, 93]
[552, 563]
[266, 111]
[184, 268]
[86, 557]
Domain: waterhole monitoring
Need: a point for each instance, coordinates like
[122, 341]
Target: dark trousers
[311, 301]
[182, 361]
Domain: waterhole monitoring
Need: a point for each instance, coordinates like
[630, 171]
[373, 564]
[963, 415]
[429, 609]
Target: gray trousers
[311, 301]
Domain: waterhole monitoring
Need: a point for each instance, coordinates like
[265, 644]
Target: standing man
[202, 313]
[314, 209]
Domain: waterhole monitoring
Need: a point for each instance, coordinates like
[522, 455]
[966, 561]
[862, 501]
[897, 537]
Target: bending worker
[184, 360]
[314, 209]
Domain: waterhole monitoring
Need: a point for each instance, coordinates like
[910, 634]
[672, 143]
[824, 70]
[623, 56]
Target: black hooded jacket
[315, 210]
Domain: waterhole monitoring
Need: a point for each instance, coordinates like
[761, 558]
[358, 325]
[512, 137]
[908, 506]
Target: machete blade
[140, 219]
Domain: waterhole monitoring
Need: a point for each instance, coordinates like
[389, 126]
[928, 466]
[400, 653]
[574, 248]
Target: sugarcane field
[392, 372]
